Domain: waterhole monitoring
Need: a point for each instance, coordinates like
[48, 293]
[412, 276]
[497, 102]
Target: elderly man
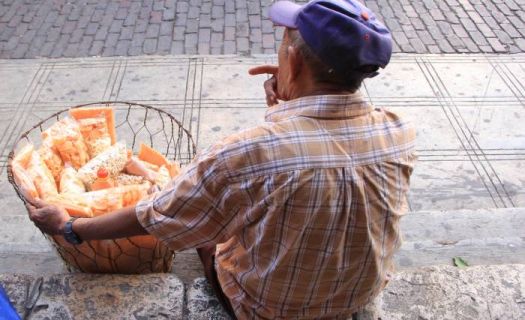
[297, 217]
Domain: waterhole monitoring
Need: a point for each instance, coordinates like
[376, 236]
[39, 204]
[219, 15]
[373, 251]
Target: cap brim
[284, 13]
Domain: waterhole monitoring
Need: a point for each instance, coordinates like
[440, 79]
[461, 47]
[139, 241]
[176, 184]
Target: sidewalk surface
[80, 28]
[468, 110]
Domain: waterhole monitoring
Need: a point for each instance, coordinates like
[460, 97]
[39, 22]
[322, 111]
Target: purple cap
[344, 34]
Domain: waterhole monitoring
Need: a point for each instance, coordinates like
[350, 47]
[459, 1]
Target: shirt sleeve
[197, 208]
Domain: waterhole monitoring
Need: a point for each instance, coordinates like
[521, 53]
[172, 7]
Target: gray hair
[323, 73]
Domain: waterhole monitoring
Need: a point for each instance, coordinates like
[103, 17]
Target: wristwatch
[69, 234]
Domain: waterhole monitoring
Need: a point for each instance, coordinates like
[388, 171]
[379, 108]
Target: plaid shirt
[305, 207]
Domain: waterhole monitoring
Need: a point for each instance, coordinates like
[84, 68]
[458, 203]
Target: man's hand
[48, 218]
[270, 85]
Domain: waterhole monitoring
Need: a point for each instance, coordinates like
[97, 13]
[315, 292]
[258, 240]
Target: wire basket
[136, 123]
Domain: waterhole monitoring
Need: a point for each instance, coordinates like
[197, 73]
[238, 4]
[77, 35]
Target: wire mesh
[136, 123]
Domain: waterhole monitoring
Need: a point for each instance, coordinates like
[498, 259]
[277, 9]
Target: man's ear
[295, 61]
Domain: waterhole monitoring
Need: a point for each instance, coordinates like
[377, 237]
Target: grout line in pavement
[430, 76]
[509, 78]
[21, 112]
[92, 62]
[105, 96]
[30, 103]
[88, 62]
[479, 154]
[389, 102]
[195, 91]
[113, 80]
[189, 96]
[197, 131]
[121, 75]
[185, 99]
[116, 82]
[457, 118]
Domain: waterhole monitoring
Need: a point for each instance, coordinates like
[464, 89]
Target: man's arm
[119, 224]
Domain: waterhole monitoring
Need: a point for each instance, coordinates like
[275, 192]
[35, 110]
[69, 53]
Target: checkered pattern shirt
[304, 208]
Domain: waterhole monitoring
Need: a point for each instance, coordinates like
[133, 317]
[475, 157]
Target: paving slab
[168, 78]
[15, 79]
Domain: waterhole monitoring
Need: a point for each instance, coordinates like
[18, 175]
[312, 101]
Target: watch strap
[69, 234]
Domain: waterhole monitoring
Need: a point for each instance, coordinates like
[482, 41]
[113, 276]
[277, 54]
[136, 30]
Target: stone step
[440, 293]
[445, 292]
[481, 237]
[202, 304]
[96, 296]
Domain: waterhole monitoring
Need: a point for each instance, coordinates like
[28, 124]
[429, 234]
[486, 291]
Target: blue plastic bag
[7, 312]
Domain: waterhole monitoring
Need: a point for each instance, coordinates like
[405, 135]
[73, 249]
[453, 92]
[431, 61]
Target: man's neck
[319, 89]
[326, 91]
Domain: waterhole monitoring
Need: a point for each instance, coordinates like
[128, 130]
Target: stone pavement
[448, 26]
[440, 293]
[81, 28]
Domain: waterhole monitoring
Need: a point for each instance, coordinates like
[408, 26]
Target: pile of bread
[63, 168]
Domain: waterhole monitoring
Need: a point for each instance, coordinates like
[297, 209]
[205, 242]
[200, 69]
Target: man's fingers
[38, 203]
[30, 206]
[31, 210]
[270, 87]
[271, 101]
[37, 215]
[264, 69]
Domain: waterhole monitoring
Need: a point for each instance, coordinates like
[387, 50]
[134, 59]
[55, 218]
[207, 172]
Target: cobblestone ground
[79, 28]
[454, 26]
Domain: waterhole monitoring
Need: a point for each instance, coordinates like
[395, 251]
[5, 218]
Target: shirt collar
[322, 106]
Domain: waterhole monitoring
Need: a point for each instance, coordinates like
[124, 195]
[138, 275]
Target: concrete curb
[472, 293]
[96, 296]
